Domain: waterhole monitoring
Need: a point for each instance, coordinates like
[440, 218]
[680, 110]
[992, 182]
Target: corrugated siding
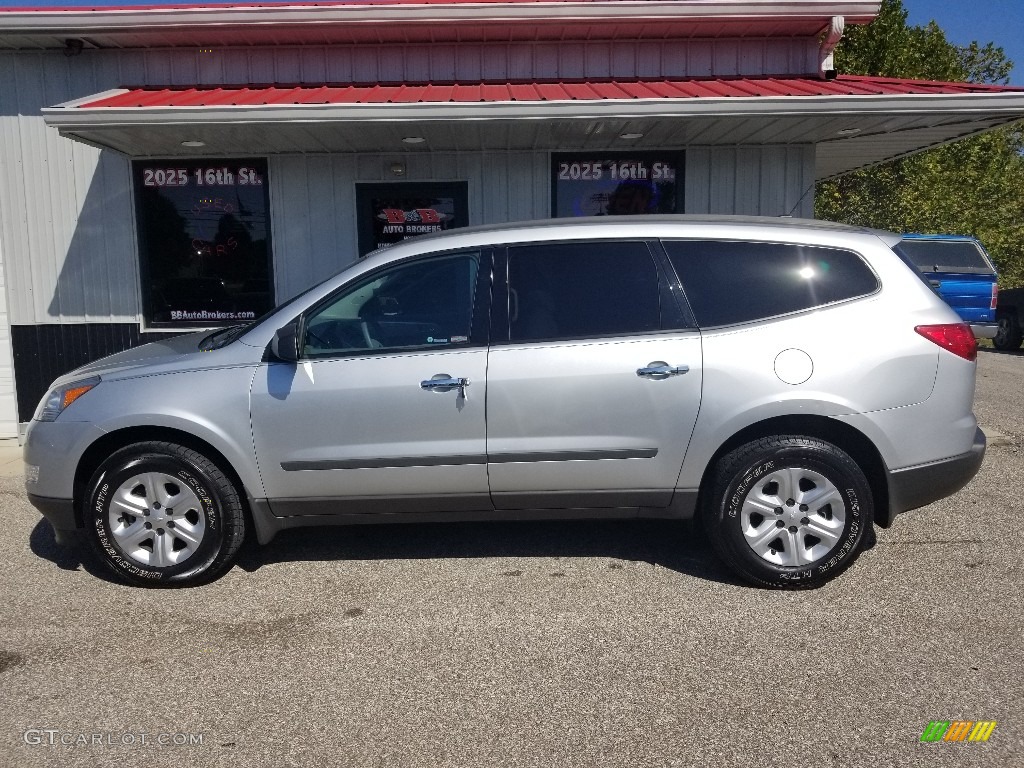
[754, 181]
[66, 226]
[472, 61]
[313, 201]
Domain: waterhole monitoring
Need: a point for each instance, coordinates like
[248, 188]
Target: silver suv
[788, 382]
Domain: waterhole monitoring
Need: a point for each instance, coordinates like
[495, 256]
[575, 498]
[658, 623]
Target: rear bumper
[984, 330]
[919, 486]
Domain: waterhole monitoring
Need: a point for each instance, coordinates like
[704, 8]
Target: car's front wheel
[161, 514]
[788, 512]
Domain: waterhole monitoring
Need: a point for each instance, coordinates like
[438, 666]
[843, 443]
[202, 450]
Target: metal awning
[853, 121]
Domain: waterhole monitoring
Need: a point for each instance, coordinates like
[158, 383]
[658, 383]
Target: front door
[385, 410]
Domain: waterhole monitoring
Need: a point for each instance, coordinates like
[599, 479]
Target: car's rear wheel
[1008, 334]
[788, 512]
[160, 514]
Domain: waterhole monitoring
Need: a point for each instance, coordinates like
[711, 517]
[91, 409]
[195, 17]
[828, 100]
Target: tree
[974, 186]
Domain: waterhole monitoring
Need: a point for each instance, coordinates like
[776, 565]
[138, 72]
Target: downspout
[830, 37]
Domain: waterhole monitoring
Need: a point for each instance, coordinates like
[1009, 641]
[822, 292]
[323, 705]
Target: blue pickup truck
[962, 274]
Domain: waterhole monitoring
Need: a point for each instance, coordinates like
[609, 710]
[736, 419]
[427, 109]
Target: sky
[996, 21]
[987, 21]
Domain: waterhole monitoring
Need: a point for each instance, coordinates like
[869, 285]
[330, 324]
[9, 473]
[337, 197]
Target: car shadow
[678, 546]
[670, 544]
[994, 351]
[67, 557]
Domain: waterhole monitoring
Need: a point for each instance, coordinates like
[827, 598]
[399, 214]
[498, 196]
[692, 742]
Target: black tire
[1008, 335]
[190, 545]
[795, 558]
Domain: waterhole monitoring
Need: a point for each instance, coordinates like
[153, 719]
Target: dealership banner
[391, 213]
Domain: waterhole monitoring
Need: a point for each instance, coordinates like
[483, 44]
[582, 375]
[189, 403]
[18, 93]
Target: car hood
[172, 355]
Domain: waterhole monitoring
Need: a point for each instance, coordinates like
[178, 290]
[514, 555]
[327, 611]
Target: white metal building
[171, 168]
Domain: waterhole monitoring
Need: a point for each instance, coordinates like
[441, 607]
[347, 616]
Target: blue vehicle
[960, 270]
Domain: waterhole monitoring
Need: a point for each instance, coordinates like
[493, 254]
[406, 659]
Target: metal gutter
[79, 21]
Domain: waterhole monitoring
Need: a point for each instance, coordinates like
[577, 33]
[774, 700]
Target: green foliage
[974, 186]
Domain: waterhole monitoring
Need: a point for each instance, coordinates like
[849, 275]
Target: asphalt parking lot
[555, 644]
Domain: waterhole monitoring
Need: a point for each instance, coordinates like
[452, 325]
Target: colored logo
[958, 730]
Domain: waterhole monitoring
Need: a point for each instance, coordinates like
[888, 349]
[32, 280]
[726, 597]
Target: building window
[204, 241]
[390, 213]
[602, 184]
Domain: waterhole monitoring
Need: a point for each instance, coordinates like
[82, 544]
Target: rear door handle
[442, 382]
[661, 370]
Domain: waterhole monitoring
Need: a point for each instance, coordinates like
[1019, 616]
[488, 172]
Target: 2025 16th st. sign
[612, 184]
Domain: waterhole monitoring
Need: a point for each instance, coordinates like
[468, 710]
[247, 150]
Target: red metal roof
[270, 4]
[533, 91]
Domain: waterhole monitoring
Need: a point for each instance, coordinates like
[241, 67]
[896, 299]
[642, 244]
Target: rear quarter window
[737, 282]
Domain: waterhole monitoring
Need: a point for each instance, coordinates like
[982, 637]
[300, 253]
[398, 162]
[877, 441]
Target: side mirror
[284, 347]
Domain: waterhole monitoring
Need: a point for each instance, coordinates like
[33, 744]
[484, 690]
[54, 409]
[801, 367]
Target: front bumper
[919, 486]
[60, 513]
[52, 451]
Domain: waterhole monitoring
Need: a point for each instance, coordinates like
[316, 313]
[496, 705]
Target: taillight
[995, 296]
[958, 338]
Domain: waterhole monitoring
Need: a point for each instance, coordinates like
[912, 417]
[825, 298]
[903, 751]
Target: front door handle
[661, 370]
[442, 382]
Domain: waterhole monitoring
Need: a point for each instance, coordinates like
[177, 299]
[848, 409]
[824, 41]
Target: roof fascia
[80, 21]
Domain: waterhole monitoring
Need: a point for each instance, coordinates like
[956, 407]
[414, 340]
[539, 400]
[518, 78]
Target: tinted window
[204, 241]
[733, 282]
[574, 290]
[424, 303]
[946, 256]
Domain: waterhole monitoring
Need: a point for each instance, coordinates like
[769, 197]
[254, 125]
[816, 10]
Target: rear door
[594, 378]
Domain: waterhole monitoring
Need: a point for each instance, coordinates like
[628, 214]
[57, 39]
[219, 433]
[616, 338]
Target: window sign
[391, 213]
[588, 184]
[204, 241]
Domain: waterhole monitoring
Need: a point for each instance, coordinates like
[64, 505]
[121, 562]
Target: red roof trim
[493, 92]
[233, 6]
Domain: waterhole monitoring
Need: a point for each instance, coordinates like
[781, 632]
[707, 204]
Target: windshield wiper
[220, 338]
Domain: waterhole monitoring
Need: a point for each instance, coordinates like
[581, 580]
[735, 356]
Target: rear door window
[580, 290]
[736, 282]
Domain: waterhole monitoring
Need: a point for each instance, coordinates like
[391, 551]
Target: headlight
[61, 397]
